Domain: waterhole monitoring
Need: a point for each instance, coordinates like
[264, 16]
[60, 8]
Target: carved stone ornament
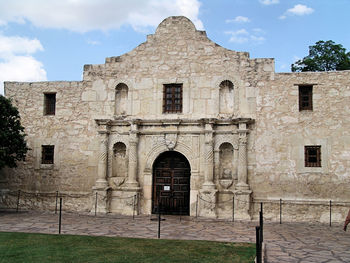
[170, 140]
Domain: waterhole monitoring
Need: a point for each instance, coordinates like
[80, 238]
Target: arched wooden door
[171, 184]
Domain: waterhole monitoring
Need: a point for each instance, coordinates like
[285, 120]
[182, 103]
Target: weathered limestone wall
[282, 131]
[71, 130]
[253, 129]
[177, 53]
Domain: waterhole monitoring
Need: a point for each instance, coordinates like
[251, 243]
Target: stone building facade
[184, 125]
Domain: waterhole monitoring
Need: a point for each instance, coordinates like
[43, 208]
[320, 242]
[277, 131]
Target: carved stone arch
[235, 81]
[160, 148]
[118, 138]
[225, 139]
[113, 83]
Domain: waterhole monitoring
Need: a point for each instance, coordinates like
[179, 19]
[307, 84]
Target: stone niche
[121, 99]
[226, 97]
[119, 165]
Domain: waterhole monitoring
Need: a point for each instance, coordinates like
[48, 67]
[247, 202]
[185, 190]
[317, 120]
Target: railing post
[60, 217]
[261, 226]
[19, 194]
[233, 209]
[280, 211]
[258, 244]
[96, 204]
[180, 211]
[330, 212]
[197, 207]
[133, 208]
[159, 219]
[56, 202]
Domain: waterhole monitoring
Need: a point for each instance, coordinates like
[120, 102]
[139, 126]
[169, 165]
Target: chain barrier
[217, 203]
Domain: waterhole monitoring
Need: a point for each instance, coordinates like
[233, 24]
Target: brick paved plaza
[288, 242]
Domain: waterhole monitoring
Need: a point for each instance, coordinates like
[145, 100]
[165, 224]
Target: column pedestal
[125, 202]
[242, 204]
[207, 203]
[102, 200]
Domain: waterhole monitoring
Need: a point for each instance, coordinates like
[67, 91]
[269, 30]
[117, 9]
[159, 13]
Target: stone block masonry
[234, 120]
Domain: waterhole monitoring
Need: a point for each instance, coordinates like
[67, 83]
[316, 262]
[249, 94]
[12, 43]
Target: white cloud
[83, 16]
[17, 62]
[243, 36]
[18, 45]
[297, 10]
[238, 19]
[269, 2]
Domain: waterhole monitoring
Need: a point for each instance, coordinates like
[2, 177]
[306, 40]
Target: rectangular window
[172, 98]
[49, 103]
[47, 154]
[305, 98]
[313, 156]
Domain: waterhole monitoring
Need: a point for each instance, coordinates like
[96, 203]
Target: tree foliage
[324, 56]
[13, 146]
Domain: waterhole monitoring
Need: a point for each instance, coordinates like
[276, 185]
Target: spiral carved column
[133, 162]
[209, 159]
[101, 181]
[132, 182]
[100, 196]
[207, 195]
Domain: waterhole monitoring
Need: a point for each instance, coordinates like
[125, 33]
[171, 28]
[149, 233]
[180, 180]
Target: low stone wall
[73, 202]
[322, 211]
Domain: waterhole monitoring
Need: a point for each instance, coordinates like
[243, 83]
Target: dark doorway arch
[171, 184]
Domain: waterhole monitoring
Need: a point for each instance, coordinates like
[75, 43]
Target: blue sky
[52, 40]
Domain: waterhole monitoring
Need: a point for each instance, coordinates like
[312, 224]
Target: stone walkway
[288, 242]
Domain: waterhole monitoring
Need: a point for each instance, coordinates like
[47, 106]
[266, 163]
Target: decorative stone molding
[170, 140]
[161, 147]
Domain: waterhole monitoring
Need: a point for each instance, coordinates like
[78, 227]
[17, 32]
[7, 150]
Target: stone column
[101, 181]
[209, 158]
[207, 195]
[242, 189]
[132, 182]
[242, 158]
[101, 185]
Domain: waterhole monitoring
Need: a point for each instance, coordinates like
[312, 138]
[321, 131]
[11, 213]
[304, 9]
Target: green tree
[324, 56]
[13, 147]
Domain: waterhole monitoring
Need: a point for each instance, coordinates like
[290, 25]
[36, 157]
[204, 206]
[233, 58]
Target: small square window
[47, 154]
[312, 156]
[49, 103]
[305, 98]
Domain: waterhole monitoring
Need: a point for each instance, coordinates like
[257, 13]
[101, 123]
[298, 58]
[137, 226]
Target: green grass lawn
[23, 247]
